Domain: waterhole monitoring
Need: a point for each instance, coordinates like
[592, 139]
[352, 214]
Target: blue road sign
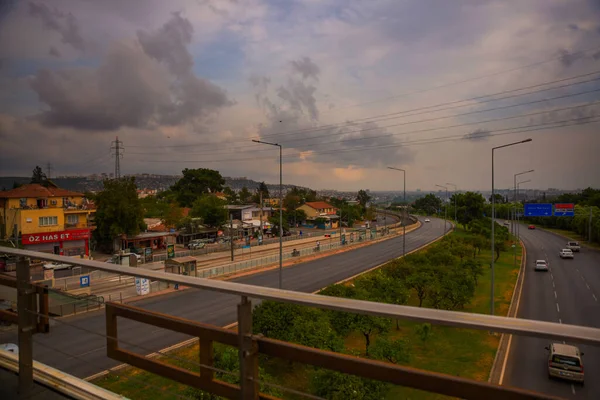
[538, 210]
[84, 281]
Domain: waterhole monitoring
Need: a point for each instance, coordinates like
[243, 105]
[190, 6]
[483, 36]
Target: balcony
[80, 225]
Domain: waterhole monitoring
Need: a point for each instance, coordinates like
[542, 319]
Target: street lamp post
[494, 215]
[280, 209]
[517, 211]
[445, 206]
[514, 219]
[405, 212]
[455, 213]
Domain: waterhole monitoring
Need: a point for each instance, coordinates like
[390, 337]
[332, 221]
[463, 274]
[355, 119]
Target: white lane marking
[553, 285]
[557, 307]
[573, 388]
[89, 352]
[560, 321]
[595, 298]
[587, 286]
[555, 296]
[551, 276]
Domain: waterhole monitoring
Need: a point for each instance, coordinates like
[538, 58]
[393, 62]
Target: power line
[49, 170]
[576, 121]
[117, 146]
[419, 121]
[399, 114]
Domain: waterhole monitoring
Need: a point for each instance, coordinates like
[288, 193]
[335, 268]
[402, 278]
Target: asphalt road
[78, 346]
[570, 294]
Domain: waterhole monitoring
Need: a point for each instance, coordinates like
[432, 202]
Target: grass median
[458, 352]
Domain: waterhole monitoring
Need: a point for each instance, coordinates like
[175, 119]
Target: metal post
[455, 209]
[404, 219]
[248, 351]
[25, 307]
[590, 227]
[445, 206]
[280, 219]
[230, 234]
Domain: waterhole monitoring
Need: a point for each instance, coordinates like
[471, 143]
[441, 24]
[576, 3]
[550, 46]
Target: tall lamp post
[516, 211]
[405, 211]
[455, 190]
[494, 215]
[280, 210]
[445, 206]
[515, 198]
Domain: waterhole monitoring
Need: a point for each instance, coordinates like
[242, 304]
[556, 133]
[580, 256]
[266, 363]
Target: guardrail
[250, 345]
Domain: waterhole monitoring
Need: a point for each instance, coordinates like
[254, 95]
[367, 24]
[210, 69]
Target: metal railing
[250, 345]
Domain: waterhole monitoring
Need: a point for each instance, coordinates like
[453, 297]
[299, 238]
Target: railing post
[248, 352]
[25, 307]
[206, 359]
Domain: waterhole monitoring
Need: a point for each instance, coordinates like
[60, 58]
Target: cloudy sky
[348, 87]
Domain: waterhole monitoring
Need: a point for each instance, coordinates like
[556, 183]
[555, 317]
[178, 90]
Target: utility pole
[590, 227]
[445, 206]
[231, 234]
[49, 171]
[117, 146]
[260, 229]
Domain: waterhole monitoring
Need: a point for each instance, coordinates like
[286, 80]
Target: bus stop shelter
[182, 266]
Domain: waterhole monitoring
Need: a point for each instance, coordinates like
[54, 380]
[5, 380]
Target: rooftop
[36, 190]
[318, 204]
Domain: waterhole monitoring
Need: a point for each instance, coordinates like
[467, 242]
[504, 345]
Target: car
[10, 347]
[541, 265]
[196, 244]
[427, 220]
[573, 246]
[564, 362]
[57, 265]
[506, 223]
[566, 253]
[531, 227]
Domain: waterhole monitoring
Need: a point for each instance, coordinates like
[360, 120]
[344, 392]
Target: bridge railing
[249, 345]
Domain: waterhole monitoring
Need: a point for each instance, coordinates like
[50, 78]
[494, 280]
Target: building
[316, 210]
[47, 219]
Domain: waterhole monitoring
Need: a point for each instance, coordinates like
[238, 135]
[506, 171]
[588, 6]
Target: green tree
[118, 211]
[334, 385]
[363, 198]
[428, 204]
[244, 195]
[291, 201]
[262, 188]
[395, 351]
[420, 281]
[195, 183]
[274, 221]
[474, 267]
[499, 199]
[172, 216]
[154, 207]
[232, 197]
[210, 209]
[38, 176]
[470, 206]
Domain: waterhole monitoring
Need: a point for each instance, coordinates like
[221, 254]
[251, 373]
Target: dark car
[531, 226]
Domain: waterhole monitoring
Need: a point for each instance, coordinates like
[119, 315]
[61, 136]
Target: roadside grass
[459, 352]
[583, 241]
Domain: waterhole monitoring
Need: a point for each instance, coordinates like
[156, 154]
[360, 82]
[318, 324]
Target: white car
[427, 220]
[10, 347]
[506, 223]
[57, 265]
[566, 253]
[541, 265]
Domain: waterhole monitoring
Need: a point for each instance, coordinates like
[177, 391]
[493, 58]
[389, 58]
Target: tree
[363, 198]
[39, 176]
[428, 203]
[262, 188]
[470, 206]
[172, 216]
[291, 201]
[420, 280]
[154, 207]
[383, 288]
[335, 385]
[394, 351]
[474, 267]
[118, 210]
[16, 184]
[499, 199]
[244, 195]
[196, 182]
[211, 210]
[232, 197]
[274, 221]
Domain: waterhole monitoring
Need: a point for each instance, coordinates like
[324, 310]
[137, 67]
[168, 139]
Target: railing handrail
[549, 330]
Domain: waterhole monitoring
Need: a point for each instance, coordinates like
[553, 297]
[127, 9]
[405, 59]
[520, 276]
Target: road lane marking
[551, 276]
[594, 296]
[557, 307]
[553, 285]
[587, 286]
[560, 321]
[573, 388]
[555, 296]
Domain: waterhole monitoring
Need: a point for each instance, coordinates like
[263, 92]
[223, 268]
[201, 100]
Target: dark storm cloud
[306, 67]
[567, 58]
[169, 44]
[478, 134]
[131, 88]
[65, 24]
[300, 97]
[54, 52]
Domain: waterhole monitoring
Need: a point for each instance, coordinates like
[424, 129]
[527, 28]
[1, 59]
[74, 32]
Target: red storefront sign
[75, 234]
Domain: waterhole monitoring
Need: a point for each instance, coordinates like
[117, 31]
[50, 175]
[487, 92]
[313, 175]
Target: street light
[516, 211]
[514, 227]
[455, 189]
[445, 206]
[280, 210]
[494, 215]
[405, 211]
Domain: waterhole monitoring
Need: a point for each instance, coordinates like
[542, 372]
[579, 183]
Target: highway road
[77, 345]
[570, 294]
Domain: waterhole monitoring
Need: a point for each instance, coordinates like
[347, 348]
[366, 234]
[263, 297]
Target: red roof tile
[317, 205]
[36, 190]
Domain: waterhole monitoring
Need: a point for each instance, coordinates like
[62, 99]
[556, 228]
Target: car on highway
[531, 227]
[10, 347]
[564, 361]
[541, 265]
[566, 253]
[57, 265]
[427, 220]
[196, 244]
[573, 246]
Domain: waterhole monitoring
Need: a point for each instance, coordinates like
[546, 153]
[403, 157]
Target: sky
[347, 88]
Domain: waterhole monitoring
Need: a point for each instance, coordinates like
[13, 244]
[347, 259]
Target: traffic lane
[556, 299]
[211, 307]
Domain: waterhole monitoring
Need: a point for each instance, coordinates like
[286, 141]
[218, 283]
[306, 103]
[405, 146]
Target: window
[72, 219]
[48, 221]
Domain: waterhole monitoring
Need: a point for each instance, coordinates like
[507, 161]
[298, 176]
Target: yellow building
[47, 219]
